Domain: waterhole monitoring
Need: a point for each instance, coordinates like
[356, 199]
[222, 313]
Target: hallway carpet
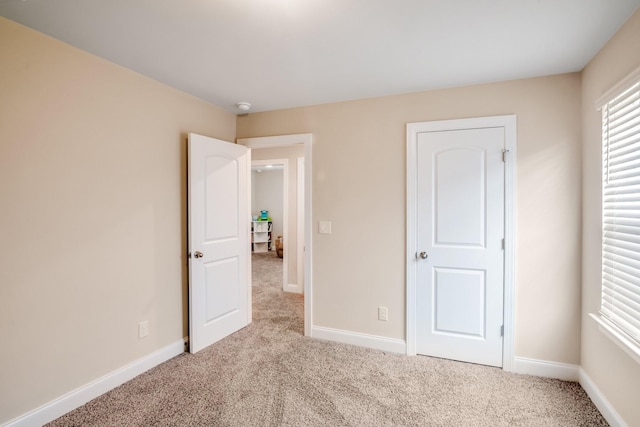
[268, 374]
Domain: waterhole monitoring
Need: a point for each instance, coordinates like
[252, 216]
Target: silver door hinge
[502, 244]
[504, 155]
[502, 330]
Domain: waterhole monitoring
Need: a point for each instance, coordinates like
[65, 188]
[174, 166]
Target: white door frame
[285, 214]
[300, 222]
[284, 141]
[508, 122]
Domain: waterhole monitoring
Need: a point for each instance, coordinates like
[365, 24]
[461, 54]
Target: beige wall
[612, 370]
[290, 153]
[359, 170]
[267, 190]
[92, 217]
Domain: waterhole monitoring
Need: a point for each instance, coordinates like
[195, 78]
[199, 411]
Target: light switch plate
[324, 227]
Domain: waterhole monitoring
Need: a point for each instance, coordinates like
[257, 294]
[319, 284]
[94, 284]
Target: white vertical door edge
[285, 214]
[508, 352]
[300, 223]
[508, 122]
[308, 241]
[283, 141]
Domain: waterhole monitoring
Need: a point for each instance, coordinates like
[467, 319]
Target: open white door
[219, 243]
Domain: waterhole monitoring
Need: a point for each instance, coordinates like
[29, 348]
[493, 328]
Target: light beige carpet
[268, 374]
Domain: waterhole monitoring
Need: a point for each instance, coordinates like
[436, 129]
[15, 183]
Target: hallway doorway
[297, 235]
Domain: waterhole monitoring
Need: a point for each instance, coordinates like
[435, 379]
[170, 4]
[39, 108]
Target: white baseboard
[293, 287]
[608, 412]
[78, 397]
[545, 368]
[363, 340]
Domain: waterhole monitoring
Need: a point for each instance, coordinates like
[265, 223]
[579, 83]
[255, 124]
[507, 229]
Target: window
[620, 307]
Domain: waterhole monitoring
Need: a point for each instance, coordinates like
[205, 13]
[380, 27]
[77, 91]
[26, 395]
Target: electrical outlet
[143, 329]
[383, 314]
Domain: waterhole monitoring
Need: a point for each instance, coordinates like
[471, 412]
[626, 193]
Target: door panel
[221, 281]
[460, 225]
[459, 302]
[219, 243]
[460, 220]
[221, 175]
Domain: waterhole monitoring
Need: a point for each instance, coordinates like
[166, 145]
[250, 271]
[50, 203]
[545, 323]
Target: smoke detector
[243, 106]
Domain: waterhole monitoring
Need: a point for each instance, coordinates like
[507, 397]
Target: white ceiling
[289, 53]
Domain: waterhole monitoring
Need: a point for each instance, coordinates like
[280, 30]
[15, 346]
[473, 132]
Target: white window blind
[621, 211]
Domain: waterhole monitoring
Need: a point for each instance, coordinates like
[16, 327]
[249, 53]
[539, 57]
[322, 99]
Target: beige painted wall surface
[93, 217]
[613, 371]
[291, 154]
[359, 178]
[267, 188]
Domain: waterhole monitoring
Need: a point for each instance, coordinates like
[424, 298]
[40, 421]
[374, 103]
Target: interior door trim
[283, 141]
[508, 122]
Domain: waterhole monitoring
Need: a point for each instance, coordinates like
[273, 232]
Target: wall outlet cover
[143, 329]
[324, 227]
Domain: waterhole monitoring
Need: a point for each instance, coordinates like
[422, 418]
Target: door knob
[422, 255]
[198, 254]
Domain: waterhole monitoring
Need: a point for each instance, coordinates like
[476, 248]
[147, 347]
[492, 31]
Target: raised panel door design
[460, 221]
[460, 225]
[219, 240]
[221, 295]
[459, 302]
[221, 183]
